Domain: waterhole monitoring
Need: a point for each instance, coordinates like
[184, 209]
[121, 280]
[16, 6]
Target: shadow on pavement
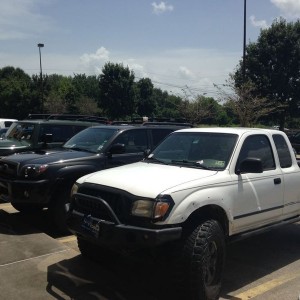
[256, 257]
[18, 223]
[115, 279]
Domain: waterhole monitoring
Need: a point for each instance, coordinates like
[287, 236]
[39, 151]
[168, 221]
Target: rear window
[7, 123]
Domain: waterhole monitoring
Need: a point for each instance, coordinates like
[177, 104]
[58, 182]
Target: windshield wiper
[78, 149]
[154, 159]
[190, 163]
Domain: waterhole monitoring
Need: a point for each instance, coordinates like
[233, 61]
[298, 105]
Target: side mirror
[117, 149]
[250, 165]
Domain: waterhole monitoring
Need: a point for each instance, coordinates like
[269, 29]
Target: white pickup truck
[199, 189]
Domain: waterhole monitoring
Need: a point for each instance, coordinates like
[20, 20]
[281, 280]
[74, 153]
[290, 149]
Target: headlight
[156, 209]
[30, 171]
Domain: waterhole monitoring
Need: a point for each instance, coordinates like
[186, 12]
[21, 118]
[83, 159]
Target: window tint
[283, 151]
[60, 133]
[7, 123]
[258, 146]
[134, 140]
[159, 135]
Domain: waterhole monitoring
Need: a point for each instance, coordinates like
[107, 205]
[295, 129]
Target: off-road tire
[199, 266]
[57, 212]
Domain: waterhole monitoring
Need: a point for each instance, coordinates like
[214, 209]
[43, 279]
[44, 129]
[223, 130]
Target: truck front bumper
[24, 191]
[119, 236]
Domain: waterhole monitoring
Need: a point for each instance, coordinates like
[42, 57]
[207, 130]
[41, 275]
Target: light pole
[244, 43]
[41, 76]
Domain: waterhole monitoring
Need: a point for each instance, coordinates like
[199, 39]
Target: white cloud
[20, 20]
[185, 73]
[161, 7]
[290, 8]
[95, 61]
[258, 23]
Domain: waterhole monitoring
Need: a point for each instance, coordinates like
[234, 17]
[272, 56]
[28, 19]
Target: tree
[273, 66]
[87, 106]
[167, 106]
[244, 102]
[117, 96]
[146, 104]
[201, 109]
[87, 86]
[15, 93]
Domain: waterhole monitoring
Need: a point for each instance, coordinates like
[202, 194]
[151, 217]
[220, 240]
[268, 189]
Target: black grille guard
[101, 201]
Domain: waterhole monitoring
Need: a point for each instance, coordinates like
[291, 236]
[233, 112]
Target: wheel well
[62, 187]
[205, 213]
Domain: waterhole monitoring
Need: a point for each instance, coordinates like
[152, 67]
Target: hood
[146, 179]
[47, 157]
[11, 144]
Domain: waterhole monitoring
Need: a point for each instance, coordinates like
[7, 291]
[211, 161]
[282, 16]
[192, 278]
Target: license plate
[92, 227]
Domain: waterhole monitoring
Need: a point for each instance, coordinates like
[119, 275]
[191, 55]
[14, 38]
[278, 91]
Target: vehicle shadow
[17, 223]
[253, 258]
[119, 278]
[116, 278]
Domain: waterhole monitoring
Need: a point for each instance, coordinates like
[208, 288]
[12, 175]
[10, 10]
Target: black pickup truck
[43, 179]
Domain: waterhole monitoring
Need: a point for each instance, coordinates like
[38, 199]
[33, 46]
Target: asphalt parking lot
[36, 263]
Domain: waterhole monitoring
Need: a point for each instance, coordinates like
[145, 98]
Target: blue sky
[183, 46]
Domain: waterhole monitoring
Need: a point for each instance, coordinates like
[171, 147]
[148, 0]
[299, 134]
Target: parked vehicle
[198, 190]
[39, 134]
[2, 133]
[5, 123]
[295, 141]
[34, 180]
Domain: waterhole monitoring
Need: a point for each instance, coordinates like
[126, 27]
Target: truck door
[258, 196]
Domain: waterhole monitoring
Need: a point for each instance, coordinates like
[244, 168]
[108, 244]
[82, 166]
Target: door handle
[277, 180]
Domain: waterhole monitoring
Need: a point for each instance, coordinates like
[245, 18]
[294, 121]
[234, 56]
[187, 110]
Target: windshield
[21, 131]
[196, 149]
[92, 139]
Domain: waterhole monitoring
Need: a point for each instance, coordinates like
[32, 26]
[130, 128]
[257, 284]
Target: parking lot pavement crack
[32, 258]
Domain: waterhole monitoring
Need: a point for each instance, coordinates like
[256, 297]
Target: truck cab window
[258, 146]
[283, 151]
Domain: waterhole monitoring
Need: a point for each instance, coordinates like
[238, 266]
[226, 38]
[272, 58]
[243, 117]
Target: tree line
[115, 94]
[263, 89]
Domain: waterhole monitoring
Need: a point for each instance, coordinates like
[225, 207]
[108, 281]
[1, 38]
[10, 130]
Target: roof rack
[168, 124]
[74, 117]
[37, 116]
[121, 123]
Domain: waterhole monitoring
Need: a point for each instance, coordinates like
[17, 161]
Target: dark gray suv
[39, 134]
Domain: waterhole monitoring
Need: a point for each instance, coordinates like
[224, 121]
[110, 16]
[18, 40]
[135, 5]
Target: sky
[184, 47]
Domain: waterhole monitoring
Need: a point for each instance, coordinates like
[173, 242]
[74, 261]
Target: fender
[188, 201]
[71, 173]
